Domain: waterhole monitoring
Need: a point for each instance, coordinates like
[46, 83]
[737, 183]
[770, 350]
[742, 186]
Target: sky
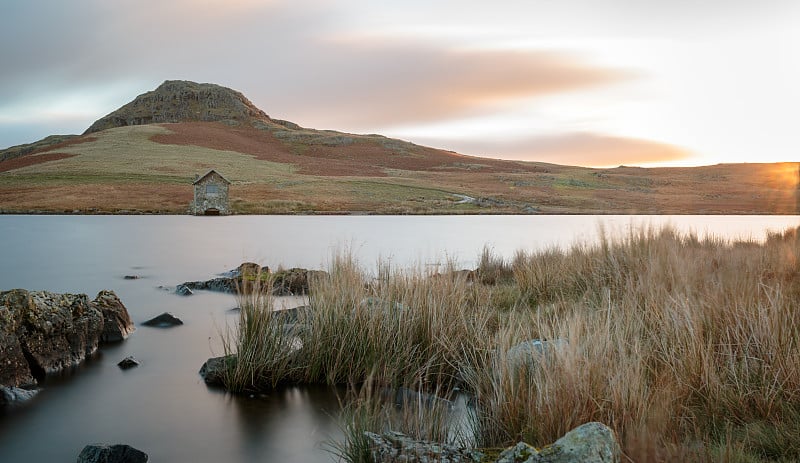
[581, 82]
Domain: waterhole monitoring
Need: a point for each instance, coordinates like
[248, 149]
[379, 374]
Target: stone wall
[211, 193]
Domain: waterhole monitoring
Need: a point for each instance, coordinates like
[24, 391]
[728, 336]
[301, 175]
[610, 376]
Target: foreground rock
[249, 277]
[43, 333]
[589, 443]
[394, 446]
[165, 320]
[117, 453]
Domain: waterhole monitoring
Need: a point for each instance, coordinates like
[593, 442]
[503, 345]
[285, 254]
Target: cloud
[578, 148]
[393, 83]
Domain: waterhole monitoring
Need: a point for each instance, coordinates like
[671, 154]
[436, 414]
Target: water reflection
[288, 424]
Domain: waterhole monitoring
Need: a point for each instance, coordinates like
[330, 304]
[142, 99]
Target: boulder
[107, 453]
[43, 332]
[589, 443]
[394, 447]
[131, 277]
[117, 323]
[55, 331]
[165, 320]
[128, 362]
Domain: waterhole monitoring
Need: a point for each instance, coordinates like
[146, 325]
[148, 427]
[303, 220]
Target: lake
[163, 407]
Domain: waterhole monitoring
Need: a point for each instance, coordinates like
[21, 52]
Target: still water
[162, 406]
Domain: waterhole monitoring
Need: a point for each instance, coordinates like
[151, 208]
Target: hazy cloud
[581, 148]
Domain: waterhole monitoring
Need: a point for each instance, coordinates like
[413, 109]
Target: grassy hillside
[282, 168]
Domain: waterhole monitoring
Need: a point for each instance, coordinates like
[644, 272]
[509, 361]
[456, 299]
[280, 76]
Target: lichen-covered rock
[106, 453]
[395, 447]
[520, 453]
[589, 443]
[55, 331]
[249, 277]
[43, 332]
[117, 323]
[14, 369]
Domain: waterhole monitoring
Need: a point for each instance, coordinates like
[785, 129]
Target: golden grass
[380, 175]
[689, 349]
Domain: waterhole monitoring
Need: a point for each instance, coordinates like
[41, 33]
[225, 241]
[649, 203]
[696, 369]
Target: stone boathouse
[210, 194]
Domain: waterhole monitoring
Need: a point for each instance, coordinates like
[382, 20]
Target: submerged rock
[128, 362]
[107, 453]
[165, 320]
[12, 396]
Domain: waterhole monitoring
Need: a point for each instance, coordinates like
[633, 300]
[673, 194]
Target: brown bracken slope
[143, 157]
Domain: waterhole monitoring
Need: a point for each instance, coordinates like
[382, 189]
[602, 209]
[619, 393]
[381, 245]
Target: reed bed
[686, 347]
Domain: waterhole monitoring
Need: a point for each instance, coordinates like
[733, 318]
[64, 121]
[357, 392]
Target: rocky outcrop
[184, 101]
[107, 453]
[165, 320]
[43, 333]
[249, 277]
[589, 443]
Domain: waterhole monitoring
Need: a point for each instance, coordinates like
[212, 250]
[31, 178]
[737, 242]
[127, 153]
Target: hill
[143, 157]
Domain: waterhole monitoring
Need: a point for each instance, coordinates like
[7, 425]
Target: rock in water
[55, 331]
[164, 320]
[117, 453]
[117, 323]
[213, 371]
[128, 362]
[15, 395]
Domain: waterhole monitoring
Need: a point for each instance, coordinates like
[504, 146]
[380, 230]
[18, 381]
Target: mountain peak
[182, 101]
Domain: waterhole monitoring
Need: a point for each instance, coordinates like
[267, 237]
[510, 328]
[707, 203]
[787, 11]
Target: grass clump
[688, 348]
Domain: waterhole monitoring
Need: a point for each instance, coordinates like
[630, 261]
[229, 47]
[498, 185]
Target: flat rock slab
[165, 320]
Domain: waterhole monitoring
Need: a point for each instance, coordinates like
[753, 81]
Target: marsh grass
[686, 347]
